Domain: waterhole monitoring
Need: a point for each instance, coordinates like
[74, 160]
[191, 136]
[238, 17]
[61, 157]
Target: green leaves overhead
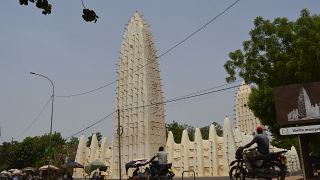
[279, 52]
[46, 7]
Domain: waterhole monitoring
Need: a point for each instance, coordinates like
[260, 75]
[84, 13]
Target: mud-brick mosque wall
[212, 157]
[206, 158]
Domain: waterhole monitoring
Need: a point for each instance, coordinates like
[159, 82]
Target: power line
[201, 94]
[154, 104]
[198, 30]
[97, 122]
[161, 55]
[35, 119]
[182, 98]
[204, 90]
[87, 92]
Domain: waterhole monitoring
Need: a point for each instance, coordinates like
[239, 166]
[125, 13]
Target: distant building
[246, 122]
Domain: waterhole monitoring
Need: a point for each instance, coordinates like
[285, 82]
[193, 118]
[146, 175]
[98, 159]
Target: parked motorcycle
[273, 165]
[142, 170]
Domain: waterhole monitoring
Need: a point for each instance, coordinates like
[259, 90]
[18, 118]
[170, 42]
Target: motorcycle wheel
[278, 171]
[237, 172]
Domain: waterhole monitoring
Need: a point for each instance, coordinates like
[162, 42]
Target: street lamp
[52, 98]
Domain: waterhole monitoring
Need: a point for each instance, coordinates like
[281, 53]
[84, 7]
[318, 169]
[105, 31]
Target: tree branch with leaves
[88, 14]
[279, 52]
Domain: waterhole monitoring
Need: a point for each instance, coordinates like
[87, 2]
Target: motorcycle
[142, 170]
[273, 165]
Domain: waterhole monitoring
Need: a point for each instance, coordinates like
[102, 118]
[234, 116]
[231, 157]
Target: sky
[79, 56]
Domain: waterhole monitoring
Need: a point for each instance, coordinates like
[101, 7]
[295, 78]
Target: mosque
[139, 125]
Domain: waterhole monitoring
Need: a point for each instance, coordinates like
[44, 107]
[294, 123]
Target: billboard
[297, 103]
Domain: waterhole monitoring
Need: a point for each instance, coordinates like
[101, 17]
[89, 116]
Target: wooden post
[119, 131]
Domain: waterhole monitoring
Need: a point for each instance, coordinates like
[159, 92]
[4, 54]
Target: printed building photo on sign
[297, 103]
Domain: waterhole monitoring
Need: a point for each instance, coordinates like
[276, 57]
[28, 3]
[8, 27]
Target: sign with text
[298, 104]
[300, 130]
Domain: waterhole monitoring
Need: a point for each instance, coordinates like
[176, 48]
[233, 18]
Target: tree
[44, 5]
[99, 137]
[8, 154]
[205, 130]
[280, 52]
[88, 14]
[71, 148]
[177, 130]
[30, 152]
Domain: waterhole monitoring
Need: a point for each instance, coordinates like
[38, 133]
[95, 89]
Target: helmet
[259, 129]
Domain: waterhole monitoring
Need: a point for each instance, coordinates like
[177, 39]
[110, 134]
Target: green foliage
[5, 151]
[73, 141]
[44, 5]
[177, 130]
[29, 152]
[88, 14]
[71, 148]
[280, 52]
[99, 137]
[285, 142]
[205, 130]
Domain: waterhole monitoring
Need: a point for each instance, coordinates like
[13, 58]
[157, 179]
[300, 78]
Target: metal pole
[304, 156]
[119, 131]
[52, 99]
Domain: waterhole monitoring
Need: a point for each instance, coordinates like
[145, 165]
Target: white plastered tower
[138, 97]
[246, 122]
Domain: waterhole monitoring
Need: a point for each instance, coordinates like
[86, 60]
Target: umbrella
[94, 165]
[4, 173]
[48, 167]
[32, 169]
[16, 172]
[11, 170]
[72, 164]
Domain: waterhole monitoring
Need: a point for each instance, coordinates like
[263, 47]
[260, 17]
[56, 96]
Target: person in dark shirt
[262, 141]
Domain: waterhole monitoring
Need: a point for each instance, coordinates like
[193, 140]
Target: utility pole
[119, 131]
[50, 149]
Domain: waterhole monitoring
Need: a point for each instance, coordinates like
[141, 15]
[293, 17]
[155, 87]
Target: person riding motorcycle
[162, 160]
[262, 141]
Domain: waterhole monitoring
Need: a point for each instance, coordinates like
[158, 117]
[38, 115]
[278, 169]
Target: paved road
[222, 178]
[227, 178]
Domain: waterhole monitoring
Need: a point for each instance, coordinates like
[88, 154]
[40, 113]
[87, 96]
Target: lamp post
[52, 98]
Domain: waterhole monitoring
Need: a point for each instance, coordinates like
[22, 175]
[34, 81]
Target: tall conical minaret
[138, 97]
[245, 120]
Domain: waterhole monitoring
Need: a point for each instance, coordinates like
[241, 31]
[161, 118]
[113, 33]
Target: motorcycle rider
[162, 160]
[262, 141]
